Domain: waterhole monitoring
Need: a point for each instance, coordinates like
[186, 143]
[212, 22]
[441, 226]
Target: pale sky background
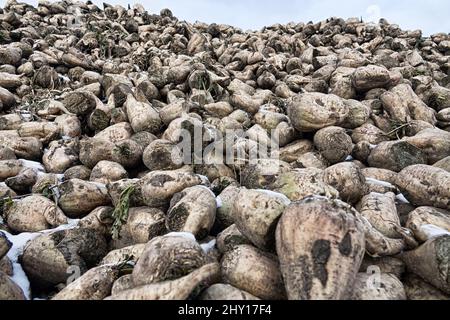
[431, 16]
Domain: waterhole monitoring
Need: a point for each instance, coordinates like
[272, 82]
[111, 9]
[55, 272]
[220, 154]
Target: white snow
[208, 246]
[98, 184]
[64, 78]
[316, 197]
[56, 193]
[219, 203]
[26, 115]
[113, 264]
[66, 138]
[432, 231]
[18, 244]
[379, 182]
[3, 184]
[71, 224]
[349, 158]
[19, 277]
[276, 195]
[38, 167]
[400, 197]
[205, 180]
[187, 235]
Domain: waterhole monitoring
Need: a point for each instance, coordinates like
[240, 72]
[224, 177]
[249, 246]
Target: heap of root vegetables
[98, 202]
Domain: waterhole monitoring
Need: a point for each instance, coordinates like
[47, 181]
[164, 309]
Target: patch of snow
[98, 184]
[3, 184]
[432, 231]
[208, 246]
[56, 193]
[315, 197]
[64, 78]
[401, 198]
[349, 158]
[219, 203]
[205, 180]
[379, 182]
[372, 146]
[36, 166]
[186, 235]
[114, 264]
[26, 116]
[66, 138]
[71, 224]
[276, 195]
[20, 278]
[18, 244]
[405, 230]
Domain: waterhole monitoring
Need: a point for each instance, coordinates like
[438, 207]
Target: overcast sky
[431, 16]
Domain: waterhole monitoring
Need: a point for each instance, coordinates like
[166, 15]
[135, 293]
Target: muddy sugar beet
[146, 157]
[320, 244]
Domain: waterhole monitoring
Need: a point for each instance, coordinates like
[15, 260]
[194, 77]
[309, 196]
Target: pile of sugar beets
[96, 204]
